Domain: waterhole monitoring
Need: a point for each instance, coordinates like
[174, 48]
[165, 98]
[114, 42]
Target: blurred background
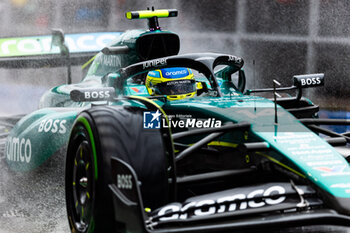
[284, 37]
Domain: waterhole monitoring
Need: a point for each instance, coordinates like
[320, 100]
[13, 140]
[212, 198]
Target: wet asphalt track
[31, 202]
[34, 202]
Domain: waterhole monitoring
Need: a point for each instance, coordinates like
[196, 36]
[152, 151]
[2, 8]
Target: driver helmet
[176, 83]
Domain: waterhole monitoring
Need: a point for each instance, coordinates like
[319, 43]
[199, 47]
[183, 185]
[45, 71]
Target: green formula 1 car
[161, 142]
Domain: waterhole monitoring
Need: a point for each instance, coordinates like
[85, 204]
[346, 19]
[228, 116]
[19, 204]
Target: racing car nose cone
[83, 182]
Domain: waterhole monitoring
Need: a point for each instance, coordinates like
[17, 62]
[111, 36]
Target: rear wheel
[97, 135]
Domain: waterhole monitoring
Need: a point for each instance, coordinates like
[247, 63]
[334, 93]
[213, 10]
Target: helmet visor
[177, 87]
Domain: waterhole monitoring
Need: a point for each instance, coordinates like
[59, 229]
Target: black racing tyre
[97, 135]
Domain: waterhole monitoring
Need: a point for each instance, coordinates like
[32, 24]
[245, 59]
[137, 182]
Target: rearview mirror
[57, 37]
[58, 40]
[92, 94]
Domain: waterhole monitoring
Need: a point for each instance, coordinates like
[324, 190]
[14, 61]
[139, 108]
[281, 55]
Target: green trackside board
[41, 45]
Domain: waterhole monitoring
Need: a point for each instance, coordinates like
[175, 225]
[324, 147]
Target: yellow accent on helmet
[199, 86]
[176, 83]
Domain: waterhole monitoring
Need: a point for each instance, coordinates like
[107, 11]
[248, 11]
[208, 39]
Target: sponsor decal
[341, 185]
[308, 152]
[151, 120]
[52, 126]
[224, 204]
[22, 46]
[310, 81]
[154, 63]
[336, 170]
[124, 181]
[322, 163]
[139, 90]
[111, 60]
[175, 72]
[180, 72]
[234, 59]
[175, 83]
[333, 169]
[91, 95]
[154, 74]
[18, 149]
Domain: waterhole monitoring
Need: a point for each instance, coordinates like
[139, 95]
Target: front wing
[268, 205]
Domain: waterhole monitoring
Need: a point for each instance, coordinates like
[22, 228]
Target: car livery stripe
[281, 164]
[85, 122]
[225, 144]
[151, 102]
[220, 143]
[88, 62]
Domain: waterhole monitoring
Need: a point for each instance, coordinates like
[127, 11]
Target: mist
[283, 37]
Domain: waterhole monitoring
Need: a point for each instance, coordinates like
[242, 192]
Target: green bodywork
[42, 133]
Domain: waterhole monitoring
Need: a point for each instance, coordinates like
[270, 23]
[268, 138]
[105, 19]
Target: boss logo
[53, 126]
[124, 181]
[309, 80]
[97, 94]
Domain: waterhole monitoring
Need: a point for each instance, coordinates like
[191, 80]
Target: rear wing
[37, 51]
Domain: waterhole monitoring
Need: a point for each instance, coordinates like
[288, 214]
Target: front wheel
[85, 190]
[99, 134]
